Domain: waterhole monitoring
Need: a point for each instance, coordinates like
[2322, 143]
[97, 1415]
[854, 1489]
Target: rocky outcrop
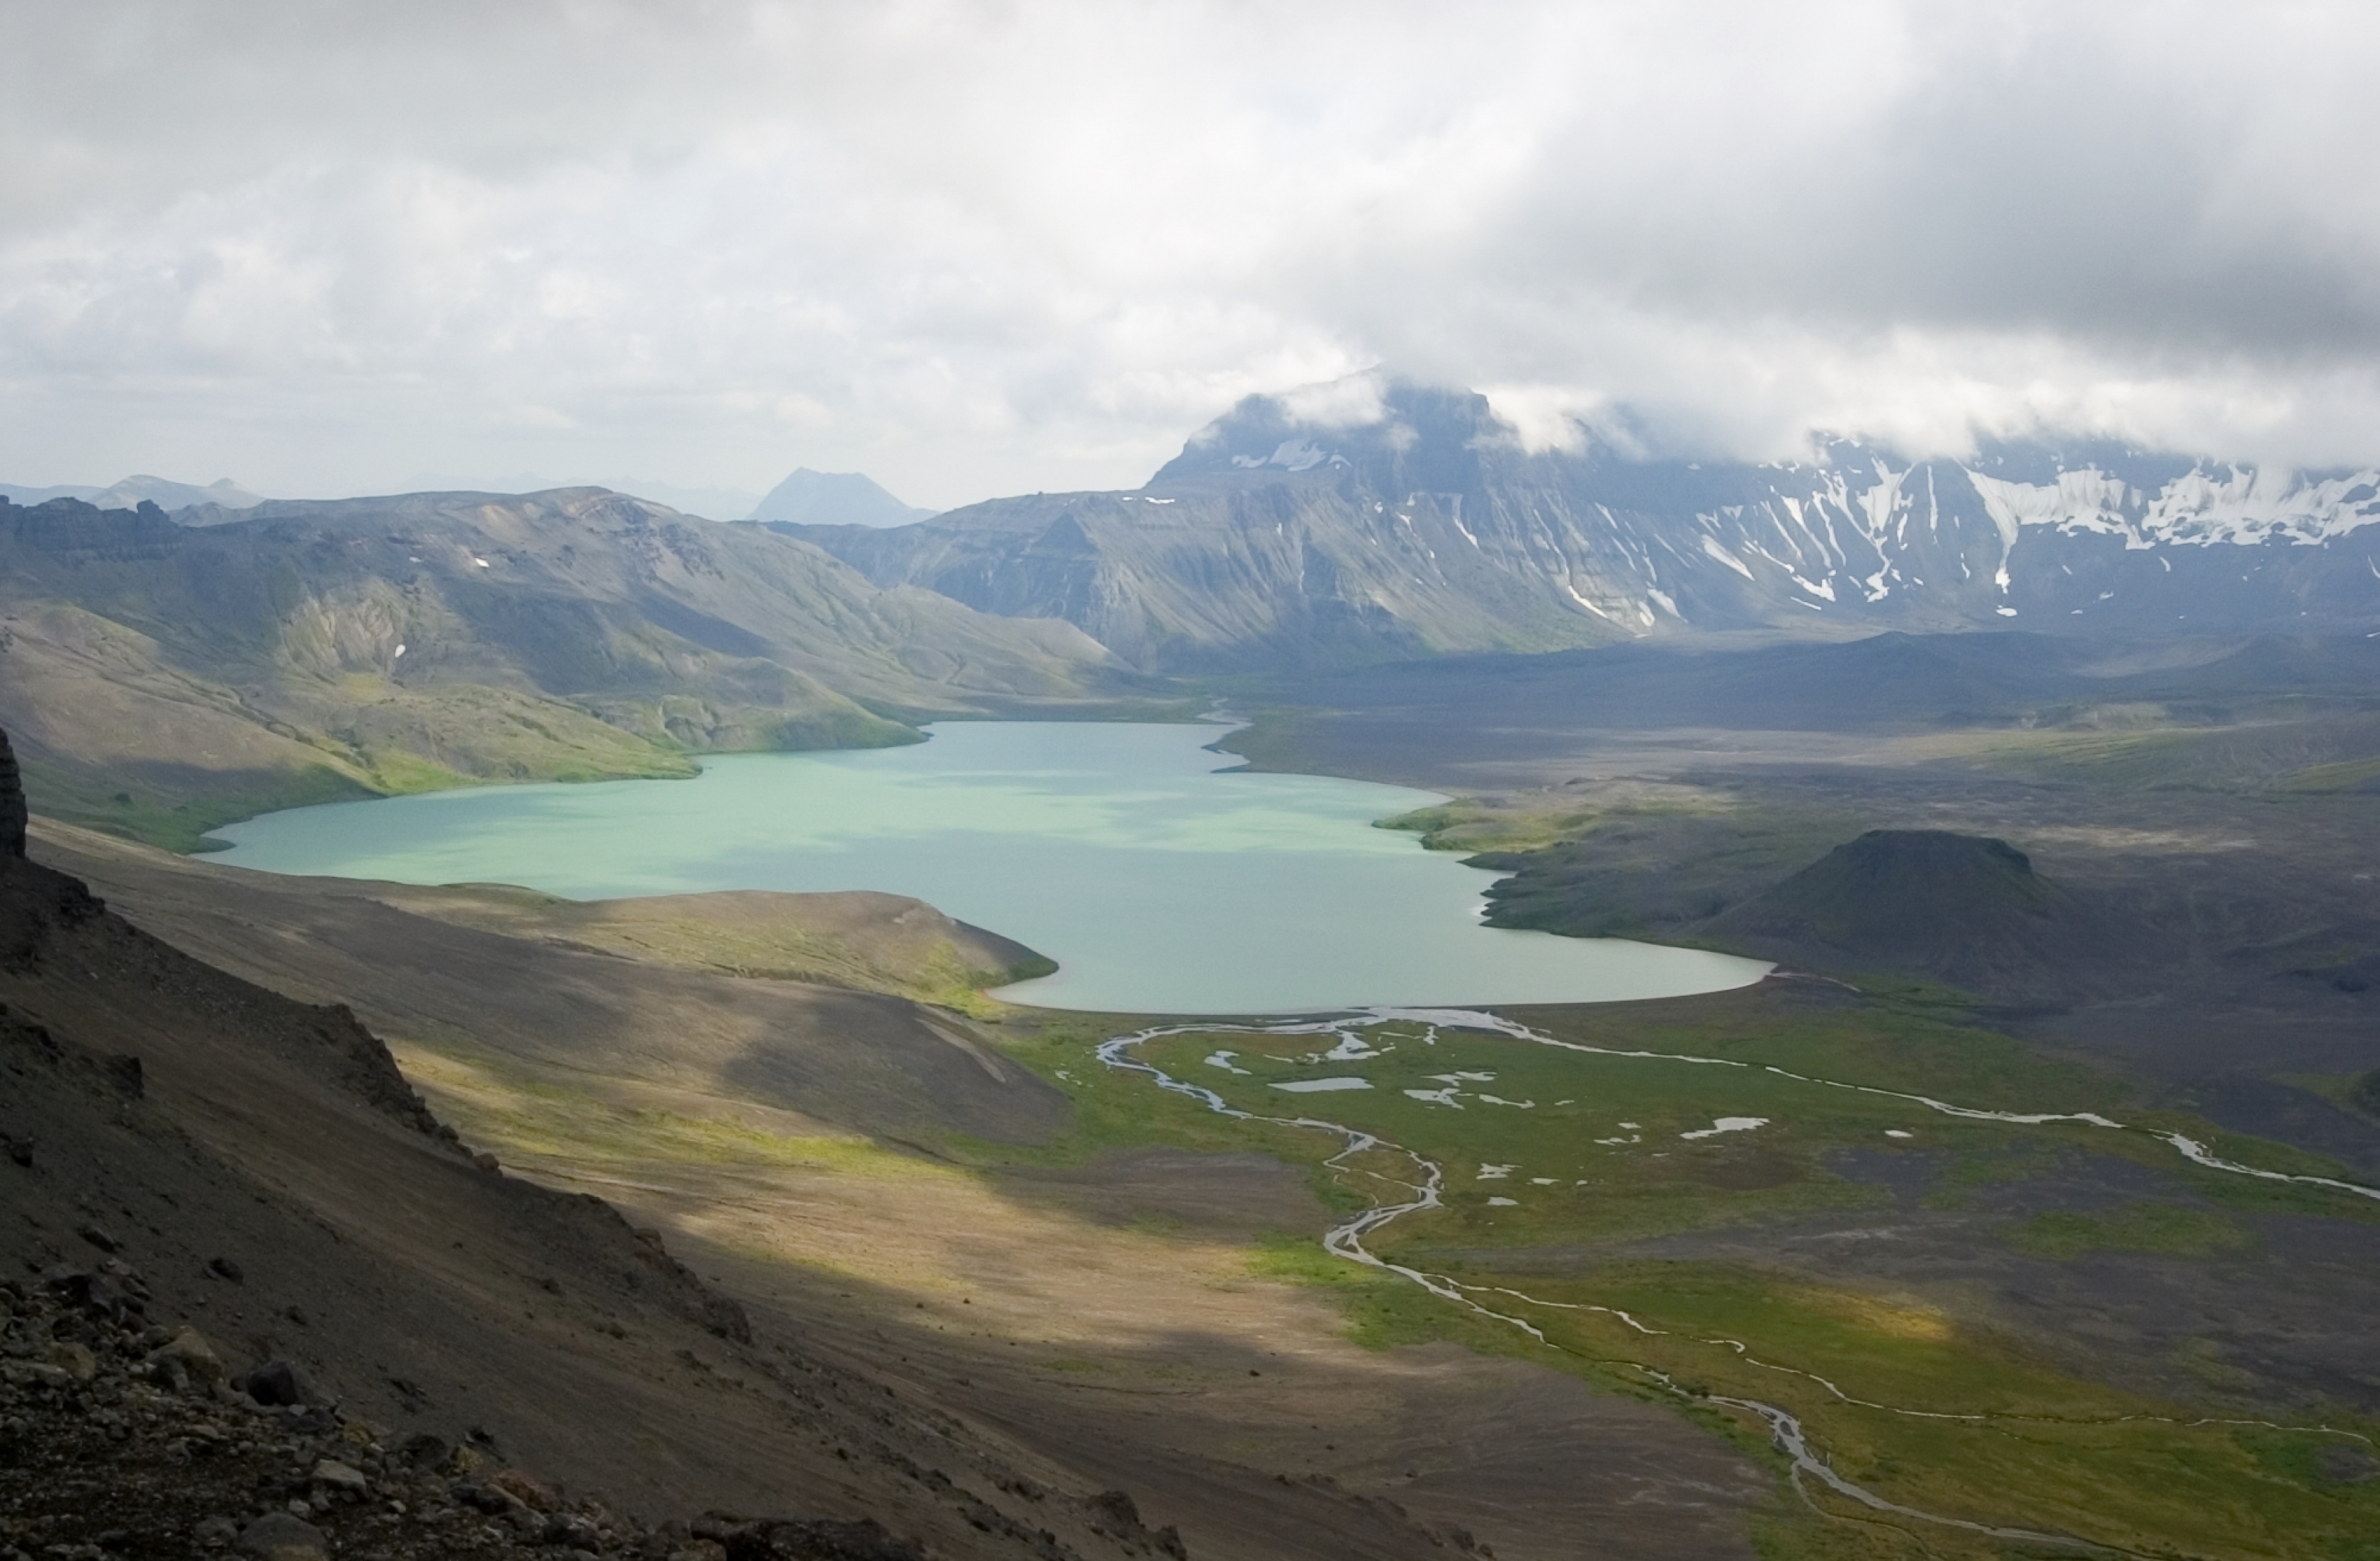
[97, 1399]
[12, 804]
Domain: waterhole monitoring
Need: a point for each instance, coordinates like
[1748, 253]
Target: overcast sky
[979, 248]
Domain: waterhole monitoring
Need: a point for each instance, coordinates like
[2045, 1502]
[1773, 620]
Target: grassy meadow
[1564, 1170]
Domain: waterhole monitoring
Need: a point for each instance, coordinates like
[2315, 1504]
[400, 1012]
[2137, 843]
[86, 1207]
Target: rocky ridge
[305, 652]
[201, 1176]
[1424, 524]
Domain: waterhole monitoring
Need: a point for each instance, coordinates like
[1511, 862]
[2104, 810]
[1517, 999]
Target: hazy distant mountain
[708, 503]
[1428, 529]
[808, 498]
[302, 650]
[18, 494]
[129, 492]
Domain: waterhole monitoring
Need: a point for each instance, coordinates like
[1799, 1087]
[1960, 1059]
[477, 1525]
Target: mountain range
[165, 672]
[1428, 527]
[223, 494]
[160, 676]
[805, 496]
[927, 1248]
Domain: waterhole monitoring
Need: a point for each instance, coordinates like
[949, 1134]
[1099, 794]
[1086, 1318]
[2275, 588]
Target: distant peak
[1400, 434]
[816, 498]
[167, 494]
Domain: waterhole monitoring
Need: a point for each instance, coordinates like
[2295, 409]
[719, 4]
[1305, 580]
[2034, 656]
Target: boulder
[187, 1357]
[110, 1293]
[818, 1539]
[528, 1492]
[345, 1479]
[279, 1536]
[279, 1383]
[1118, 1508]
[75, 1359]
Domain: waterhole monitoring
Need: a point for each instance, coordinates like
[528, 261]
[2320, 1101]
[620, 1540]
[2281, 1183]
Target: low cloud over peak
[972, 250]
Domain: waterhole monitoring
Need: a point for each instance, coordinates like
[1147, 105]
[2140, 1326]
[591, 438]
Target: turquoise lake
[1159, 880]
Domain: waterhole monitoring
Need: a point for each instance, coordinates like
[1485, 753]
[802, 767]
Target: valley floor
[2049, 1326]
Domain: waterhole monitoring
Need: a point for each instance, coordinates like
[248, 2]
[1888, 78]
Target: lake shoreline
[1158, 880]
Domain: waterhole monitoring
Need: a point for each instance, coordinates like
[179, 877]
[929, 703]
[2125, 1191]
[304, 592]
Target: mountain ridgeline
[1429, 527]
[164, 676]
[169, 672]
[223, 494]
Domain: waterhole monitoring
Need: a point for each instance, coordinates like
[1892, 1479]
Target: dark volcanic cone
[1960, 908]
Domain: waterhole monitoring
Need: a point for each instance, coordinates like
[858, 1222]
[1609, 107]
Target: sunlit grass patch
[515, 1112]
[2346, 776]
[1533, 820]
[1468, 824]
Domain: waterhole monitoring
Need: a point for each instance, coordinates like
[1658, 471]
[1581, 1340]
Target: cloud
[1349, 402]
[973, 248]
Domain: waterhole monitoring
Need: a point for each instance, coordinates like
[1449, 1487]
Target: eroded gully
[1399, 1196]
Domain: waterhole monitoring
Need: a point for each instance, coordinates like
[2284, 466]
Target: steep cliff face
[12, 804]
[1426, 525]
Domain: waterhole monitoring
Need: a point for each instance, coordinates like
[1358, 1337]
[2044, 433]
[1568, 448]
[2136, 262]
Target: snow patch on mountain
[1407, 522]
[1723, 556]
[1291, 454]
[2206, 507]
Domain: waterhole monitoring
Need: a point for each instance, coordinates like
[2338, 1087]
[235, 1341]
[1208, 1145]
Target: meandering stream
[1421, 1191]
